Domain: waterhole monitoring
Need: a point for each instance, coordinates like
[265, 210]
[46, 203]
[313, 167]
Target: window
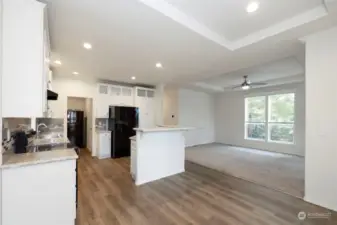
[270, 118]
[256, 118]
[281, 117]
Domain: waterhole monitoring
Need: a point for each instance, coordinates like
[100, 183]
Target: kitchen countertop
[11, 160]
[164, 129]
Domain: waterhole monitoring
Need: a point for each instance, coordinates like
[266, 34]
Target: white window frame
[267, 111]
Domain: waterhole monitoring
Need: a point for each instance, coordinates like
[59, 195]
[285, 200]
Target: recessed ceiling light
[252, 7]
[87, 45]
[133, 78]
[58, 62]
[159, 65]
[75, 73]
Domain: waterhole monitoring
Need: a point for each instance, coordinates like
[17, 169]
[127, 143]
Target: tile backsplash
[53, 125]
[11, 124]
[101, 123]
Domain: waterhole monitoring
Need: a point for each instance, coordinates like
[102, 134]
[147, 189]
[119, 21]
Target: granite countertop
[164, 129]
[11, 160]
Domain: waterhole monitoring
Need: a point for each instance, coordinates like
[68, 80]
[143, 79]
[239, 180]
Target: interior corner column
[321, 119]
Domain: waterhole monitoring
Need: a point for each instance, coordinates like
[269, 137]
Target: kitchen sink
[49, 141]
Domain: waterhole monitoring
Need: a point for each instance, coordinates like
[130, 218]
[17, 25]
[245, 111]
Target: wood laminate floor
[274, 170]
[107, 196]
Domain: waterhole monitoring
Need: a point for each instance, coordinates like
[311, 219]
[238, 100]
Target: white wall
[72, 88]
[69, 88]
[230, 116]
[321, 119]
[196, 109]
[75, 103]
[166, 105]
[171, 105]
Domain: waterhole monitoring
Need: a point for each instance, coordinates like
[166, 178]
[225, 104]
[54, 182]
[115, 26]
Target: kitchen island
[157, 153]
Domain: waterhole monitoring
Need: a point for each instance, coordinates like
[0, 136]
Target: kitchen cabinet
[39, 194]
[103, 145]
[144, 100]
[102, 99]
[112, 95]
[121, 95]
[23, 58]
[133, 164]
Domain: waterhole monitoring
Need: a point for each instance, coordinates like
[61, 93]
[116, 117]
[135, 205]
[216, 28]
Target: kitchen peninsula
[39, 187]
[157, 153]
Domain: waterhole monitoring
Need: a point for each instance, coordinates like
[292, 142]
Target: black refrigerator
[76, 128]
[122, 120]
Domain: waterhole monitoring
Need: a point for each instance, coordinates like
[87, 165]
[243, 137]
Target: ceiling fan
[247, 84]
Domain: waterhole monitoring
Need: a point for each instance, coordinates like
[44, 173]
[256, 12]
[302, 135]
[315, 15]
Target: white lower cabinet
[133, 167]
[103, 144]
[39, 194]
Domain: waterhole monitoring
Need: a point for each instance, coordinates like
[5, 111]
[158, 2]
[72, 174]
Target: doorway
[80, 122]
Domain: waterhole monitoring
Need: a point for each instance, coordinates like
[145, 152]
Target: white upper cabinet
[144, 100]
[103, 89]
[23, 59]
[102, 99]
[127, 96]
[117, 95]
[121, 95]
[112, 95]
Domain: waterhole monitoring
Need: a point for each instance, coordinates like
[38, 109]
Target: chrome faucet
[38, 126]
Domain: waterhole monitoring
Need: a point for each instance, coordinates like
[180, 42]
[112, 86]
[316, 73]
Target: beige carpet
[277, 171]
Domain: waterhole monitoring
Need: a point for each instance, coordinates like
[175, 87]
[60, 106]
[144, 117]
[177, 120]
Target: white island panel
[160, 153]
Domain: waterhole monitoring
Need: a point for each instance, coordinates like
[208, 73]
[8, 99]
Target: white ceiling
[193, 42]
[230, 19]
[287, 70]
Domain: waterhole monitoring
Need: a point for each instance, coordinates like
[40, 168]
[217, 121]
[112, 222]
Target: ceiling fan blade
[258, 84]
[236, 87]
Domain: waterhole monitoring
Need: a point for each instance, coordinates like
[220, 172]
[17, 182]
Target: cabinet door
[150, 114]
[102, 105]
[115, 97]
[105, 145]
[140, 102]
[51, 198]
[127, 96]
[23, 89]
[133, 165]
